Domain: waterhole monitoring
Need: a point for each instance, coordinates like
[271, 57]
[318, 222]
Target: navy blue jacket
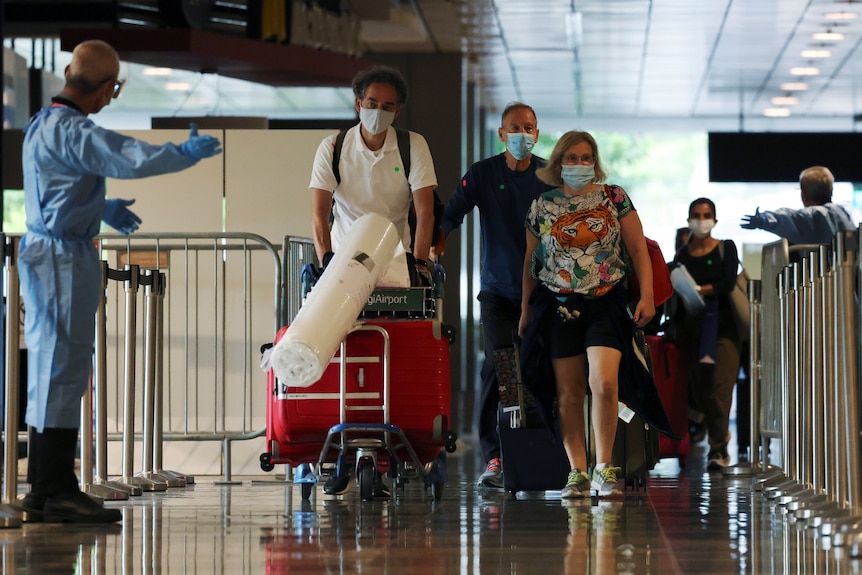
[503, 197]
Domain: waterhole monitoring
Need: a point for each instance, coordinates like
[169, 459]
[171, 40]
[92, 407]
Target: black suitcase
[636, 445]
[532, 459]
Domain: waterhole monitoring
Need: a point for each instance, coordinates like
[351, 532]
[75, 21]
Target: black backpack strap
[336, 155]
[404, 150]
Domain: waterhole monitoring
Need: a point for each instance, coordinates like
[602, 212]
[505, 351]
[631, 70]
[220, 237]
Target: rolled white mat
[331, 308]
[686, 287]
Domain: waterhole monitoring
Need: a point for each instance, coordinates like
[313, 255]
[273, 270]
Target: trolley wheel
[266, 463]
[437, 491]
[305, 490]
[365, 477]
[451, 447]
[450, 436]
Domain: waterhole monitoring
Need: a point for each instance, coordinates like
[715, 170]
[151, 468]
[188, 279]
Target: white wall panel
[186, 201]
[266, 181]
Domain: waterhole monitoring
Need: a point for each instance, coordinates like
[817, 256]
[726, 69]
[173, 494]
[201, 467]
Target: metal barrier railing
[805, 348]
[296, 252]
[223, 296]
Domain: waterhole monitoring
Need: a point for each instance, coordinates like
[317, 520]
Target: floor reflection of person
[594, 531]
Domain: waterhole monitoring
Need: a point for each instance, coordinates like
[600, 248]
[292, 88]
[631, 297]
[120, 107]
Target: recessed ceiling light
[792, 86]
[785, 101]
[178, 86]
[805, 71]
[816, 53]
[776, 112]
[827, 36]
[841, 15]
[158, 71]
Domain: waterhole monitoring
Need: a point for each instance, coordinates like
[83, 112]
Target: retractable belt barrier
[151, 477]
[805, 379]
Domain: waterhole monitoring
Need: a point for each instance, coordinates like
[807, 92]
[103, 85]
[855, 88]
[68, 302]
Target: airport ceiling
[722, 65]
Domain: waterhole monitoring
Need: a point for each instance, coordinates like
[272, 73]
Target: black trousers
[500, 318]
[51, 465]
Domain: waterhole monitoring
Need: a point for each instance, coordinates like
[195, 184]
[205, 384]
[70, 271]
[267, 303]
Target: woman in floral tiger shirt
[575, 299]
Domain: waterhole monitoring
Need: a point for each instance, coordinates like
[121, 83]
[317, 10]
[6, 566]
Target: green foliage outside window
[14, 221]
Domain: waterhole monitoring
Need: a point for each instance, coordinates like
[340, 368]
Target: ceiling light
[816, 54]
[785, 101]
[158, 71]
[792, 86]
[574, 30]
[828, 35]
[776, 112]
[178, 86]
[804, 71]
[841, 15]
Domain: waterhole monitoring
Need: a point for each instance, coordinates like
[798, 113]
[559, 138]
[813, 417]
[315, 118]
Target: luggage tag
[624, 412]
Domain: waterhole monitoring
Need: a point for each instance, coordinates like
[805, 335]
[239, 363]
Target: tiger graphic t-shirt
[580, 248]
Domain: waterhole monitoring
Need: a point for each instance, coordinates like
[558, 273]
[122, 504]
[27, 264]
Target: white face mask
[376, 120]
[701, 228]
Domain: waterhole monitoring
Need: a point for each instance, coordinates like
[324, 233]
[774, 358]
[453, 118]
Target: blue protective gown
[811, 225]
[66, 159]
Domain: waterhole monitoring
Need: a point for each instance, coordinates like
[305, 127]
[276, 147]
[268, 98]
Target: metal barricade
[808, 350]
[223, 297]
[297, 252]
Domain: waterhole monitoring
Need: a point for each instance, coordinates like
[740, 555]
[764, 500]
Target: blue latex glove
[120, 217]
[752, 222]
[199, 147]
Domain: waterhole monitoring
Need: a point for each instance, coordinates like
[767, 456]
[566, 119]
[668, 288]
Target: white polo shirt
[372, 181]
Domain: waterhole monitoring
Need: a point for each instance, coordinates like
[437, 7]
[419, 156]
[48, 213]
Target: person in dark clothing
[502, 187]
[710, 339]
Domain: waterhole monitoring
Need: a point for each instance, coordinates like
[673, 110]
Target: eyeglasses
[118, 88]
[372, 104]
[586, 159]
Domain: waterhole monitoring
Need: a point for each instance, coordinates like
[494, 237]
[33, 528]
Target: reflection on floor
[687, 522]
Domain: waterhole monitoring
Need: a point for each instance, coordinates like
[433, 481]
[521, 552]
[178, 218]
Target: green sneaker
[605, 481]
[577, 485]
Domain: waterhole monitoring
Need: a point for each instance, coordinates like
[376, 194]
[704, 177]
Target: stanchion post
[11, 516]
[172, 478]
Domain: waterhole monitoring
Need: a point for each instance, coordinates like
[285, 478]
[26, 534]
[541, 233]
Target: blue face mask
[520, 144]
[578, 176]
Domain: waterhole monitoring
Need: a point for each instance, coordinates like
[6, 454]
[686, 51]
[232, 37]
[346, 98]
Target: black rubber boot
[54, 485]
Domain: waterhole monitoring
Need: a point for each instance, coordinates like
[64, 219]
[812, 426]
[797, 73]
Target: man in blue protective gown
[816, 223]
[66, 159]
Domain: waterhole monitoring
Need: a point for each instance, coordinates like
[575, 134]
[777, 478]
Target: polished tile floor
[687, 522]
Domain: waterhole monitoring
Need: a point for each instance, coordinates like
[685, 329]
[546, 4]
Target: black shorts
[570, 338]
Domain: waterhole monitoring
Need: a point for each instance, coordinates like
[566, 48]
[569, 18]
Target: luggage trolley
[387, 390]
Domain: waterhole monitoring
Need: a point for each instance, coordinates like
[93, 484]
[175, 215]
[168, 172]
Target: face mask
[701, 228]
[520, 144]
[376, 120]
[578, 177]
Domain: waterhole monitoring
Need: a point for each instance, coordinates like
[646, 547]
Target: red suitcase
[299, 419]
[669, 372]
